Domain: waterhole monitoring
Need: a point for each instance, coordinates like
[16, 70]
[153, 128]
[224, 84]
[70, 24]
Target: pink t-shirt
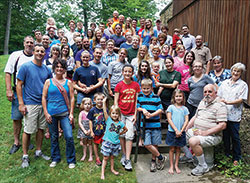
[178, 62]
[184, 70]
[127, 96]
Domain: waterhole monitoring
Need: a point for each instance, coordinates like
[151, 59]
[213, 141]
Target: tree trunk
[7, 33]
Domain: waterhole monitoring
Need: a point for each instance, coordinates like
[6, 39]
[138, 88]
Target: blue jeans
[232, 132]
[67, 131]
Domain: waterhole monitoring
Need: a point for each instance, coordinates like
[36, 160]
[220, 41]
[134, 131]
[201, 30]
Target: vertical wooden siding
[224, 24]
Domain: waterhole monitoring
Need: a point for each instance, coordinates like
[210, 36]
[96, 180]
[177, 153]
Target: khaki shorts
[205, 141]
[127, 120]
[34, 119]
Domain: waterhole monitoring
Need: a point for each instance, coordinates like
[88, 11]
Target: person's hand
[199, 132]
[92, 134]
[88, 90]
[148, 115]
[134, 119]
[22, 108]
[111, 93]
[87, 132]
[145, 112]
[10, 95]
[178, 133]
[224, 101]
[48, 118]
[71, 118]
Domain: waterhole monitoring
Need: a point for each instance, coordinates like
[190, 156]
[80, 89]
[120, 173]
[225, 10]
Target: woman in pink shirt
[186, 71]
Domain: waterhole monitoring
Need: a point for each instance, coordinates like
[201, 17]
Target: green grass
[39, 170]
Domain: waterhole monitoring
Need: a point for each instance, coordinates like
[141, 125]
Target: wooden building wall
[224, 24]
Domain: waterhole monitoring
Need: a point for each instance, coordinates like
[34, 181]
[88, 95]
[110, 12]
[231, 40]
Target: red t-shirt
[127, 96]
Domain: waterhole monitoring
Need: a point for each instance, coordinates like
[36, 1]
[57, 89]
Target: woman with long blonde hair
[148, 32]
[141, 55]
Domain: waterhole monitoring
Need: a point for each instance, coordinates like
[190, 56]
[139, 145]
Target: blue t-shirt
[125, 45]
[79, 53]
[88, 76]
[151, 103]
[178, 116]
[97, 118]
[118, 40]
[146, 39]
[33, 77]
[113, 131]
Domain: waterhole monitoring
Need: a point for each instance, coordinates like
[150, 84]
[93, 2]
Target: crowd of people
[132, 69]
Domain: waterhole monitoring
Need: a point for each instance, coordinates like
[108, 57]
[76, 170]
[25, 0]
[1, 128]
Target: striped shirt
[151, 103]
[209, 115]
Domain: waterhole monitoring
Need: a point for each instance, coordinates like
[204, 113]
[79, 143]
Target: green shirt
[132, 53]
[168, 78]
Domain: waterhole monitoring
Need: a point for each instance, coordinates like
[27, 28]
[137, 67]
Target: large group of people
[137, 69]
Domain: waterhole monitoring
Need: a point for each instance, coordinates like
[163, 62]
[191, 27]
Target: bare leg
[122, 142]
[17, 126]
[104, 163]
[39, 139]
[26, 142]
[112, 166]
[96, 151]
[90, 150]
[171, 160]
[129, 144]
[177, 157]
[154, 150]
[84, 152]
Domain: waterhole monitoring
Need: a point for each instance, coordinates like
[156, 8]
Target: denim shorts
[152, 137]
[15, 113]
[110, 149]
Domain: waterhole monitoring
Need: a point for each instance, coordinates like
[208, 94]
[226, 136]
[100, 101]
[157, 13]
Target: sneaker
[72, 165]
[25, 162]
[153, 166]
[185, 159]
[199, 170]
[161, 163]
[14, 148]
[42, 156]
[128, 165]
[123, 160]
[53, 164]
[98, 162]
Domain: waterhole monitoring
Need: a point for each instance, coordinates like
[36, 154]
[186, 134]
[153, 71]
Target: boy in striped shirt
[150, 105]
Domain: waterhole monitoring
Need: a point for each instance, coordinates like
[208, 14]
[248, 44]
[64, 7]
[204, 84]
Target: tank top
[55, 100]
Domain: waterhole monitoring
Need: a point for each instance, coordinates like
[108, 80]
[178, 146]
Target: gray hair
[217, 57]
[239, 66]
[57, 48]
[85, 52]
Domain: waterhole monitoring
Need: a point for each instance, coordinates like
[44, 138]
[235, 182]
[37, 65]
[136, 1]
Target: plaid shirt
[107, 58]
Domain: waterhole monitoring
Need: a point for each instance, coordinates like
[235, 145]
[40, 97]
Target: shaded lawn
[39, 170]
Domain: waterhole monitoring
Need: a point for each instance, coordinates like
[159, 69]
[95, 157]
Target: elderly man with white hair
[204, 129]
[233, 92]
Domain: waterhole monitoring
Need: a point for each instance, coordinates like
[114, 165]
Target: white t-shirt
[10, 66]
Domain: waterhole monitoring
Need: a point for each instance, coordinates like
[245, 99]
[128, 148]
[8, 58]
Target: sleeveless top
[55, 100]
